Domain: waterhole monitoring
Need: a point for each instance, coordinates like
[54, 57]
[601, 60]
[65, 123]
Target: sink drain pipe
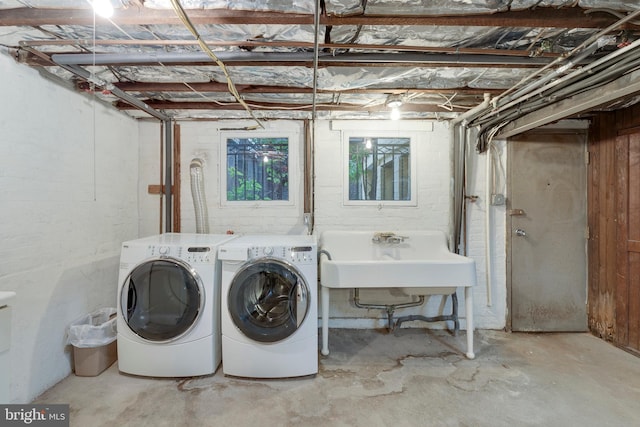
[389, 308]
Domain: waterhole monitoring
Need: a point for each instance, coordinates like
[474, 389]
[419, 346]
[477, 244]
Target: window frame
[413, 176]
[292, 170]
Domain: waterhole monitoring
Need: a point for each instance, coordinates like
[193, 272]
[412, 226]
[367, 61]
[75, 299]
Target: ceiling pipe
[584, 45]
[89, 77]
[601, 70]
[469, 115]
[316, 56]
[508, 98]
[86, 75]
[198, 57]
[556, 80]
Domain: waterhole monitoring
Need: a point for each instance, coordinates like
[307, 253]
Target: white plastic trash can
[93, 337]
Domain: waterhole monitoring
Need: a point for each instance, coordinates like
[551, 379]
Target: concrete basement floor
[411, 377]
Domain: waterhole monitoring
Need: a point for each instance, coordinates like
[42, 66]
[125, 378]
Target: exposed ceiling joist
[540, 17]
[439, 59]
[223, 88]
[203, 105]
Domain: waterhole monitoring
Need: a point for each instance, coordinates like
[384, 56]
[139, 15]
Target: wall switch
[497, 199]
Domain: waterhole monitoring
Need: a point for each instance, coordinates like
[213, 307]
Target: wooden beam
[573, 17]
[156, 189]
[257, 106]
[224, 88]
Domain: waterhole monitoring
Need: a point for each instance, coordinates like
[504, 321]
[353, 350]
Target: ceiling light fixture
[103, 8]
[394, 101]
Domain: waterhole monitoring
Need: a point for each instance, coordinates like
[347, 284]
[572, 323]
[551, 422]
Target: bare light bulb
[395, 114]
[265, 158]
[103, 8]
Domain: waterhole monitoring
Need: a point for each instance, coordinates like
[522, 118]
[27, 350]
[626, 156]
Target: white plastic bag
[94, 329]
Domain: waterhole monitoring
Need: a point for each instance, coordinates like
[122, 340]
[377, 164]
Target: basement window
[257, 169]
[380, 169]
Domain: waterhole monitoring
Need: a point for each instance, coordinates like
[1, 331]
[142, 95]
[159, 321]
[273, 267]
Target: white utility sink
[5, 297]
[5, 344]
[418, 262]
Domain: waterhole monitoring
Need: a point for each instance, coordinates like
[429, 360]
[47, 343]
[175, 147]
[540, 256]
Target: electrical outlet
[497, 199]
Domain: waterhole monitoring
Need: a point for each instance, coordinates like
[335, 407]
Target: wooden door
[628, 243]
[547, 232]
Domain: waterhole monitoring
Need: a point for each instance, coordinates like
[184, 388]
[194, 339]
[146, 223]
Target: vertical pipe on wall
[310, 134]
[458, 159]
[457, 191]
[177, 183]
[308, 178]
[168, 150]
[161, 136]
[487, 227]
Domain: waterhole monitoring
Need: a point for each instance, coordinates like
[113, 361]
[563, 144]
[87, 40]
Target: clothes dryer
[168, 306]
[269, 306]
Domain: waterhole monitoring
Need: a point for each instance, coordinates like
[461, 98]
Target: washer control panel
[293, 254]
[191, 254]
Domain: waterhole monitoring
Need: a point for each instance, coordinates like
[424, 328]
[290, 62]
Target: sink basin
[417, 262]
[421, 260]
[5, 297]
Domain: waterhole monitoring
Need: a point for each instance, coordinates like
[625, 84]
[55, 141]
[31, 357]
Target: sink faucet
[387, 237]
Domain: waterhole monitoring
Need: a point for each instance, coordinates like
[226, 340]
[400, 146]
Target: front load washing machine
[168, 307]
[269, 307]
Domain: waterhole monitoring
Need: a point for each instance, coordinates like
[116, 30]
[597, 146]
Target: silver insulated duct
[197, 193]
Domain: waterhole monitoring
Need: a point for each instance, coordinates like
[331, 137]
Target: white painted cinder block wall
[202, 139]
[73, 185]
[68, 191]
[431, 212]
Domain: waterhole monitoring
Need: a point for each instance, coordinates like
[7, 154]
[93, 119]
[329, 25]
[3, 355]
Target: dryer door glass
[162, 299]
[268, 300]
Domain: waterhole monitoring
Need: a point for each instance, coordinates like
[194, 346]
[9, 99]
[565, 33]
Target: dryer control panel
[293, 254]
[191, 254]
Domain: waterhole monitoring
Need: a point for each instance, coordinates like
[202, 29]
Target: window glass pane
[257, 169]
[379, 168]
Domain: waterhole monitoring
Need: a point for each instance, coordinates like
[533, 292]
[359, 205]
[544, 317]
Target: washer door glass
[268, 300]
[161, 299]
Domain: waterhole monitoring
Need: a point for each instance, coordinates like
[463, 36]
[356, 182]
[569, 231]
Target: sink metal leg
[468, 301]
[454, 313]
[324, 294]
